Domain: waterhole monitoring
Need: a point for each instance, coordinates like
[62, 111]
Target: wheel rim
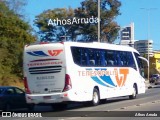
[134, 92]
[95, 97]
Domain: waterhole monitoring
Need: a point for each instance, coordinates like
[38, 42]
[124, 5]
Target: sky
[145, 14]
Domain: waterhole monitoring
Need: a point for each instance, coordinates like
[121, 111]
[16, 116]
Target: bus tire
[133, 96]
[95, 97]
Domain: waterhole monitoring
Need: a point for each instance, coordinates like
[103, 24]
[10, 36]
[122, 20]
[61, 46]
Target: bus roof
[102, 46]
[92, 45]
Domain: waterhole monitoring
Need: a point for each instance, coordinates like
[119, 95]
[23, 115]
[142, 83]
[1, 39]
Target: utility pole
[148, 34]
[99, 3]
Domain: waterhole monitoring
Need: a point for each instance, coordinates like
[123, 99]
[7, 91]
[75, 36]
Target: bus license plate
[47, 97]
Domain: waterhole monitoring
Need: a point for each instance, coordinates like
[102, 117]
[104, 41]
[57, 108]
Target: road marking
[138, 105]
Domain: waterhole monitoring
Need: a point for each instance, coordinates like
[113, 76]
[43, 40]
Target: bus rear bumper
[47, 98]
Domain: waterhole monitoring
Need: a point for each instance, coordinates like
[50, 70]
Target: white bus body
[72, 71]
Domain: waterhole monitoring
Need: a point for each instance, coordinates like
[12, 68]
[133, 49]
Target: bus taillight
[26, 86]
[68, 84]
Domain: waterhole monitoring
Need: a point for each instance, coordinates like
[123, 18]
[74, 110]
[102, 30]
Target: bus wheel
[95, 97]
[133, 96]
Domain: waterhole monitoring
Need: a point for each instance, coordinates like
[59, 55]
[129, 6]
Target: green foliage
[108, 11]
[51, 32]
[14, 34]
[109, 28]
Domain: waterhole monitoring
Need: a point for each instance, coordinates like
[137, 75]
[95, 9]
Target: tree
[16, 6]
[109, 10]
[50, 31]
[80, 21]
[14, 34]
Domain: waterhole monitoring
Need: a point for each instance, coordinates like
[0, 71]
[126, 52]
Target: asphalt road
[145, 106]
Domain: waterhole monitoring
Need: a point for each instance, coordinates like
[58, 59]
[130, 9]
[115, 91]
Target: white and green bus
[58, 73]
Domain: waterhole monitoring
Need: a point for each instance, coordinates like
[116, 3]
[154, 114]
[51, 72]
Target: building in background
[127, 35]
[144, 47]
[155, 63]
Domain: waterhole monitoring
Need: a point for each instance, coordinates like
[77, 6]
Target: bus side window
[98, 56]
[84, 55]
[118, 61]
[122, 59]
[91, 57]
[130, 60]
[76, 53]
[105, 58]
[109, 58]
[102, 58]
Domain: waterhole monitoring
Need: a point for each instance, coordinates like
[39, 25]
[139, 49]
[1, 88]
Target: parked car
[154, 77]
[157, 81]
[13, 98]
